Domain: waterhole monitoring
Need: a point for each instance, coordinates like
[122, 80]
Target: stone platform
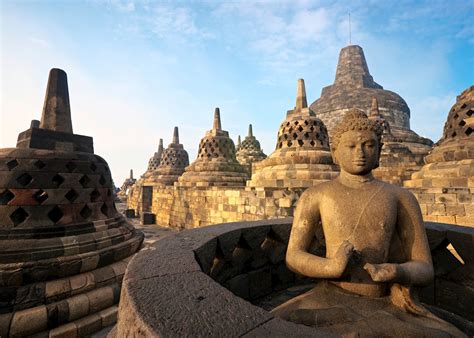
[212, 278]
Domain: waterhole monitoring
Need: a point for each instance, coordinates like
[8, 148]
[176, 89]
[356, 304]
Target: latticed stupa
[216, 164]
[155, 160]
[249, 151]
[302, 157]
[127, 184]
[65, 247]
[397, 162]
[354, 87]
[445, 185]
[172, 164]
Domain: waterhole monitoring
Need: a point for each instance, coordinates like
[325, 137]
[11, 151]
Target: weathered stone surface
[364, 221]
[249, 151]
[301, 158]
[216, 164]
[443, 185]
[61, 235]
[354, 87]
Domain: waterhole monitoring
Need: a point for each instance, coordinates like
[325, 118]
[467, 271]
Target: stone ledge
[170, 289]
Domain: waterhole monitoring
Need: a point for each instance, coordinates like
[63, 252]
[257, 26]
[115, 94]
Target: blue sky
[136, 69]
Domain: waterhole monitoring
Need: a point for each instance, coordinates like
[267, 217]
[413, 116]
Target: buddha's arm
[418, 269]
[298, 259]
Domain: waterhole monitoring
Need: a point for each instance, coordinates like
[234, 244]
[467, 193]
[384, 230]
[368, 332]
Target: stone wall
[190, 208]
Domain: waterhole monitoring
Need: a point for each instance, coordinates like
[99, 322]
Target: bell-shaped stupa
[173, 162]
[155, 160]
[65, 247]
[216, 164]
[302, 157]
[397, 161]
[354, 87]
[445, 185]
[249, 151]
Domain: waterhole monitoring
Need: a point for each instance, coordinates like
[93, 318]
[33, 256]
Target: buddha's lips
[360, 162]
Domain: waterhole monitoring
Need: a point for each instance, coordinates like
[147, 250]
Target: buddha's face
[358, 152]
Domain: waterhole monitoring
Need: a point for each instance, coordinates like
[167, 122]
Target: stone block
[88, 325]
[64, 331]
[78, 307]
[28, 322]
[109, 316]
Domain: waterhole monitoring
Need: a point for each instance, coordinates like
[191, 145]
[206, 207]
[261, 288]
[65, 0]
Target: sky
[136, 69]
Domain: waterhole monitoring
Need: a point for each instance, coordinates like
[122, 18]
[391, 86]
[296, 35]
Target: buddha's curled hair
[355, 119]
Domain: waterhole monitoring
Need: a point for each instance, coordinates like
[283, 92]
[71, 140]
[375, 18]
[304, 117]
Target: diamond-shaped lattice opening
[6, 196]
[462, 123]
[104, 209]
[311, 128]
[455, 116]
[469, 131]
[40, 196]
[39, 164]
[312, 143]
[469, 112]
[85, 180]
[95, 195]
[24, 179]
[55, 214]
[12, 164]
[57, 180]
[295, 136]
[453, 134]
[102, 180]
[300, 128]
[306, 122]
[306, 135]
[289, 143]
[71, 195]
[93, 167]
[71, 166]
[300, 142]
[18, 216]
[86, 212]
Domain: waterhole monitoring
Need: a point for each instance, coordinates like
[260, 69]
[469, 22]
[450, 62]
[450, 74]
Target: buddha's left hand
[386, 272]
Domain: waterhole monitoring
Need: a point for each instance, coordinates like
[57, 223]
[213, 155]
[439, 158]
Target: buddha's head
[356, 143]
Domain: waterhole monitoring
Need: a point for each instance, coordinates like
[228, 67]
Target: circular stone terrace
[214, 281]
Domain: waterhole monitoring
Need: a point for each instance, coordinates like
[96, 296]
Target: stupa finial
[160, 145]
[131, 174]
[301, 96]
[250, 131]
[374, 109]
[239, 142]
[217, 119]
[56, 109]
[175, 135]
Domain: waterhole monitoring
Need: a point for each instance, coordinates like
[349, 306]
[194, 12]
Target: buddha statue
[376, 248]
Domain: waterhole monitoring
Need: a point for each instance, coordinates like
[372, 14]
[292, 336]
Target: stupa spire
[239, 142]
[352, 68]
[160, 145]
[175, 135]
[131, 174]
[301, 101]
[217, 119]
[374, 109]
[250, 134]
[56, 109]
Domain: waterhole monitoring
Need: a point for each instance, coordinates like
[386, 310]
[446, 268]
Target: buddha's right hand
[342, 256]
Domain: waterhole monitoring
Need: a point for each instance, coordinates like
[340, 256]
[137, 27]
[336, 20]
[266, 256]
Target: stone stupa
[173, 162]
[397, 162]
[155, 160]
[249, 151]
[445, 185]
[354, 87]
[302, 157]
[65, 247]
[216, 164]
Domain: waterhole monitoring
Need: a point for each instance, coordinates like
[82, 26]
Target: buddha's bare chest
[366, 218]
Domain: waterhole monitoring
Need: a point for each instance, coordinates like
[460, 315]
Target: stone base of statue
[329, 307]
